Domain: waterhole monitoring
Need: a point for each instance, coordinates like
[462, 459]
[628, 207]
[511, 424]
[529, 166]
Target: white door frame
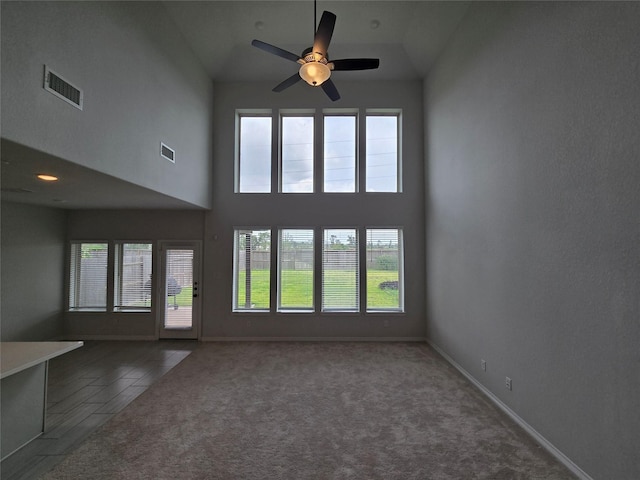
[161, 299]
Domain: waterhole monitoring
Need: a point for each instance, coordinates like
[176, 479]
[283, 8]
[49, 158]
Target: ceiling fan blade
[292, 80]
[324, 33]
[355, 64]
[275, 50]
[330, 89]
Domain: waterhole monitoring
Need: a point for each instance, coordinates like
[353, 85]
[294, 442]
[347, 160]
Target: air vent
[167, 153]
[61, 88]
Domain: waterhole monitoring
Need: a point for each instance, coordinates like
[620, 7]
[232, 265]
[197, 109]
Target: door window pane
[252, 270]
[340, 153]
[178, 288]
[295, 270]
[88, 276]
[297, 155]
[382, 153]
[340, 270]
[384, 269]
[254, 158]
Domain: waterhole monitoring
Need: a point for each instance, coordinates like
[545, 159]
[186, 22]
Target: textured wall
[142, 85]
[309, 210]
[33, 243]
[534, 218]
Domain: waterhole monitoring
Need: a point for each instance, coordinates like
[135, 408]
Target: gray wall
[150, 226]
[33, 244]
[534, 219]
[142, 85]
[313, 210]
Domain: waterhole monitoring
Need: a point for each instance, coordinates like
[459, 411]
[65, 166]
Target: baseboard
[313, 339]
[142, 338]
[546, 444]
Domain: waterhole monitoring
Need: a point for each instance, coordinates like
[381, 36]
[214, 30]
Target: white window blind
[384, 269]
[252, 269]
[340, 153]
[297, 154]
[382, 165]
[340, 270]
[254, 156]
[295, 270]
[88, 276]
[133, 276]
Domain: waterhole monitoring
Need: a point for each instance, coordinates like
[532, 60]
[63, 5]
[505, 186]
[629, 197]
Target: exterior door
[180, 292]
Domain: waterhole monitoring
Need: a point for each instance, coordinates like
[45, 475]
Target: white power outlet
[507, 383]
[483, 364]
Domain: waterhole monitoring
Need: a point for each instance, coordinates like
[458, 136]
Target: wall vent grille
[167, 153]
[61, 88]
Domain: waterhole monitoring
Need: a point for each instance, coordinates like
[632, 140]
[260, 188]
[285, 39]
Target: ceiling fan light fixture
[315, 73]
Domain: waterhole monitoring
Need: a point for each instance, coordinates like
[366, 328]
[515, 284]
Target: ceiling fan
[315, 66]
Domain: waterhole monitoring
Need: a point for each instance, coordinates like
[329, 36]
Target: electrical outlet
[483, 364]
[507, 383]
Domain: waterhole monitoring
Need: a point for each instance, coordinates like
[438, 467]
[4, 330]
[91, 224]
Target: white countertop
[18, 356]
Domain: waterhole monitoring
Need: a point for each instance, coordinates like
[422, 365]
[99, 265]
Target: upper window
[383, 166]
[340, 270]
[88, 276]
[340, 153]
[251, 270]
[295, 270]
[297, 154]
[133, 276]
[384, 269]
[253, 173]
[341, 169]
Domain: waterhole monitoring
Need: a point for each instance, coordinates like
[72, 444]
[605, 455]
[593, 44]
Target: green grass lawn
[296, 288]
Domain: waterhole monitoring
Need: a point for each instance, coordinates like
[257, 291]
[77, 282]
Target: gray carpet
[310, 411]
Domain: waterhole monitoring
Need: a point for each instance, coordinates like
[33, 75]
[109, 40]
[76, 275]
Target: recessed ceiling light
[47, 177]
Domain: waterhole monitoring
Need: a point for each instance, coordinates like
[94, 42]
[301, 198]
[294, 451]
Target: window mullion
[361, 169]
[276, 149]
[111, 278]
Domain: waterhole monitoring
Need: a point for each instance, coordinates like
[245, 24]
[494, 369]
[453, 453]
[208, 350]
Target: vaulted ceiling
[406, 36]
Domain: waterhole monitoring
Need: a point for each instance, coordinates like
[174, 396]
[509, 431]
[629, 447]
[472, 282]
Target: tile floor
[86, 388]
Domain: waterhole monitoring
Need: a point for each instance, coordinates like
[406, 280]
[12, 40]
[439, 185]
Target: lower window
[133, 276]
[340, 270]
[295, 270]
[252, 270]
[88, 276]
[384, 270]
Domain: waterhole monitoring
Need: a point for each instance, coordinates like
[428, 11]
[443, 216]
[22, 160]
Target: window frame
[74, 277]
[356, 164]
[236, 271]
[358, 284]
[279, 287]
[397, 113]
[295, 113]
[401, 285]
[252, 113]
[118, 269]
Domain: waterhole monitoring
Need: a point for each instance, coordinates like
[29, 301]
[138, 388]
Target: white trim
[313, 339]
[546, 444]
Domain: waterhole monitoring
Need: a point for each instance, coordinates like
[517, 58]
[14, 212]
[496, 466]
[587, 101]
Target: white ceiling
[408, 39]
